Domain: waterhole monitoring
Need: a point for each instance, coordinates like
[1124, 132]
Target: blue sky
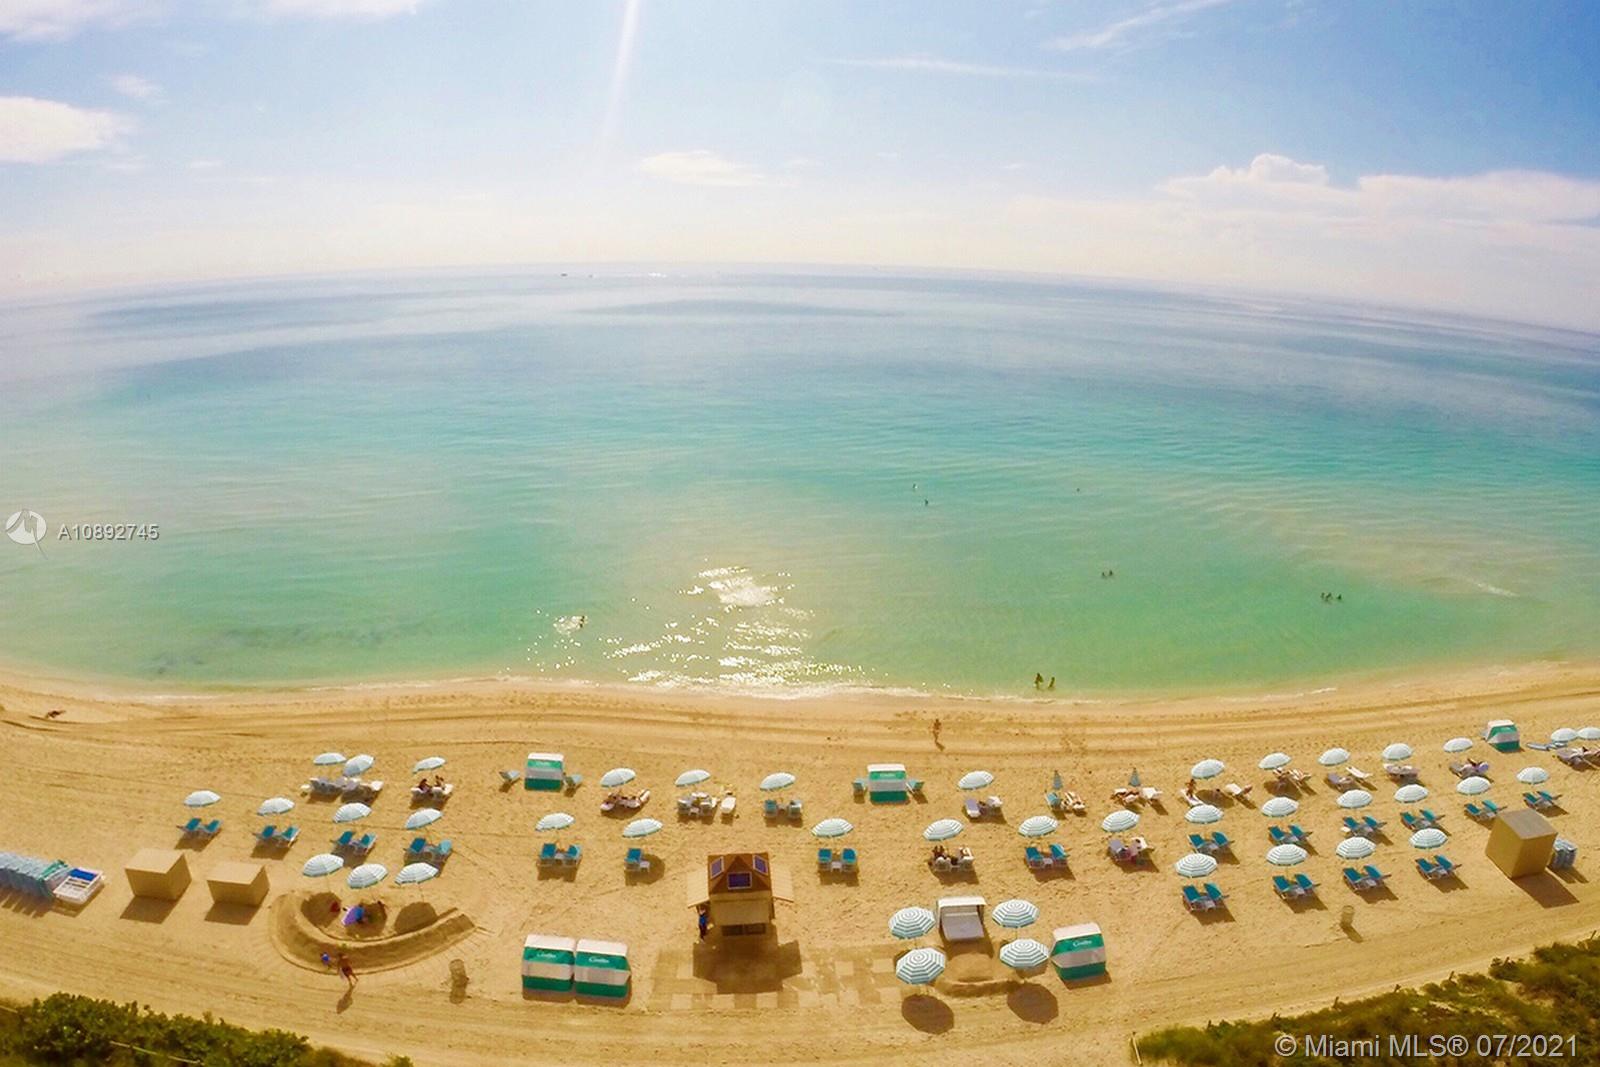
[1439, 154]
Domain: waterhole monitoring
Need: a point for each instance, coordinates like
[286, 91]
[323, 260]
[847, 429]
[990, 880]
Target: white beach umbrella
[1355, 848]
[1333, 757]
[1286, 855]
[831, 828]
[1195, 865]
[328, 759]
[1273, 761]
[1589, 733]
[416, 874]
[617, 776]
[358, 764]
[976, 780]
[1024, 954]
[1280, 807]
[1119, 821]
[1351, 799]
[322, 865]
[275, 806]
[1458, 744]
[1533, 776]
[556, 820]
[1207, 768]
[911, 922]
[641, 828]
[1014, 914]
[1038, 826]
[942, 830]
[1428, 837]
[423, 817]
[1398, 750]
[351, 812]
[920, 966]
[200, 798]
[367, 875]
[777, 780]
[427, 763]
[692, 777]
[1411, 793]
[1473, 786]
[1203, 814]
[1564, 736]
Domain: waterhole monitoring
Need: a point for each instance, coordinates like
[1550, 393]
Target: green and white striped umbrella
[200, 798]
[367, 875]
[975, 780]
[1351, 799]
[1333, 757]
[1355, 848]
[1195, 865]
[423, 817]
[275, 806]
[1203, 814]
[1398, 750]
[416, 874]
[351, 812]
[1411, 793]
[641, 828]
[1564, 736]
[1119, 821]
[692, 777]
[427, 763]
[911, 922]
[1429, 837]
[1286, 855]
[942, 830]
[1280, 807]
[1207, 768]
[1533, 776]
[322, 865]
[777, 780]
[920, 966]
[617, 776]
[556, 820]
[1014, 914]
[1024, 954]
[328, 759]
[1473, 786]
[1589, 733]
[1458, 744]
[1038, 826]
[831, 828]
[358, 764]
[1273, 761]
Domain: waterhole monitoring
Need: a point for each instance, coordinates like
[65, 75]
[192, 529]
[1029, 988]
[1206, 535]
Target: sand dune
[107, 776]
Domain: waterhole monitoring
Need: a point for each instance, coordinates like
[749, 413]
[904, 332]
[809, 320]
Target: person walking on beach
[346, 971]
[937, 726]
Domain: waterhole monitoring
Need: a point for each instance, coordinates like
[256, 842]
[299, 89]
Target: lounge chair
[1373, 825]
[635, 861]
[433, 794]
[267, 835]
[1075, 802]
[1374, 875]
[1400, 772]
[364, 845]
[824, 858]
[1491, 807]
[859, 786]
[1535, 800]
[1058, 856]
[1445, 865]
[915, 785]
[1428, 870]
[511, 776]
[1199, 844]
[79, 886]
[1427, 813]
[1475, 812]
[288, 836]
[1237, 791]
[973, 808]
[418, 850]
[848, 859]
[1461, 770]
[573, 781]
[569, 858]
[1277, 836]
[1217, 896]
[358, 788]
[1549, 798]
[1307, 886]
[1358, 774]
[1053, 801]
[729, 803]
[1195, 900]
[1341, 781]
[1285, 889]
[769, 808]
[965, 861]
[211, 828]
[1572, 757]
[344, 841]
[190, 827]
[1034, 858]
[1353, 828]
[941, 863]
[686, 806]
[1220, 842]
[1413, 822]
[1356, 880]
[796, 810]
[1298, 834]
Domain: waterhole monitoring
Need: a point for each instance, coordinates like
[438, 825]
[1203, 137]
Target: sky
[1441, 155]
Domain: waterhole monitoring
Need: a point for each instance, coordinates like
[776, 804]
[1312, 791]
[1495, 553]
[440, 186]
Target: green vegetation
[1554, 993]
[68, 1030]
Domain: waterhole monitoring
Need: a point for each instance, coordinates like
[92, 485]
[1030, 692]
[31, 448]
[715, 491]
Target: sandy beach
[106, 777]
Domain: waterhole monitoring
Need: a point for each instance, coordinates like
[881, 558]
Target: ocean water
[783, 482]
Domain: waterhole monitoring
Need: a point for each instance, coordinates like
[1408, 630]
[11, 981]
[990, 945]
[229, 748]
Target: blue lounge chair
[849, 858]
[268, 835]
[289, 836]
[1284, 888]
[1356, 880]
[1053, 801]
[1034, 858]
[1428, 870]
[1217, 896]
[1199, 844]
[915, 785]
[770, 809]
[191, 827]
[1410, 821]
[1220, 842]
[365, 844]
[1355, 828]
[1374, 825]
[1475, 812]
[1375, 875]
[1307, 886]
[635, 861]
[1430, 816]
[547, 854]
[1195, 900]
[1277, 836]
[824, 857]
[1491, 807]
[1533, 800]
[1549, 798]
[344, 840]
[570, 857]
[1298, 834]
[1444, 865]
[859, 785]
[1058, 855]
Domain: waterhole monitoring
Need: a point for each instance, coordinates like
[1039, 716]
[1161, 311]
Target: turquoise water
[786, 482]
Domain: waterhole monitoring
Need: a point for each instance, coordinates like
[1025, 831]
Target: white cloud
[57, 19]
[135, 88]
[922, 64]
[41, 131]
[340, 9]
[701, 166]
[1125, 32]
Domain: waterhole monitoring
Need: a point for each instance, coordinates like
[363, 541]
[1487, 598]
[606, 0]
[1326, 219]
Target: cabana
[545, 771]
[547, 963]
[238, 883]
[600, 969]
[1520, 843]
[887, 783]
[740, 891]
[1079, 952]
[1502, 735]
[961, 918]
[158, 873]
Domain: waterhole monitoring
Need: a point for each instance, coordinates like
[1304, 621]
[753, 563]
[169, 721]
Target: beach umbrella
[556, 820]
[328, 759]
[1458, 744]
[1280, 807]
[367, 875]
[1119, 821]
[275, 806]
[416, 874]
[200, 798]
[641, 828]
[911, 922]
[351, 812]
[1398, 750]
[358, 764]
[1333, 757]
[1286, 855]
[943, 830]
[322, 865]
[1195, 865]
[975, 780]
[777, 780]
[1589, 733]
[427, 763]
[617, 776]
[1014, 914]
[1207, 768]
[423, 817]
[920, 966]
[831, 828]
[1203, 814]
[1273, 761]
[1473, 786]
[694, 777]
[1564, 736]
[1533, 776]
[1024, 954]
[1355, 848]
[1410, 794]
[1354, 798]
[1429, 837]
[1038, 826]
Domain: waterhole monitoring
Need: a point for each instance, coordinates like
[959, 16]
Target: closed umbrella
[427, 763]
[1119, 821]
[1351, 799]
[1024, 954]
[423, 817]
[1014, 914]
[1396, 751]
[1458, 744]
[1429, 837]
[1207, 768]
[1410, 794]
[1286, 855]
[777, 780]
[1273, 761]
[358, 764]
[328, 759]
[920, 966]
[943, 830]
[1038, 826]
[1203, 814]
[641, 828]
[1195, 865]
[831, 828]
[1564, 736]
[976, 780]
[1280, 807]
[200, 798]
[416, 874]
[322, 865]
[1473, 786]
[556, 820]
[911, 922]
[1355, 848]
[1533, 776]
[694, 777]
[275, 806]
[367, 875]
[351, 812]
[617, 776]
[1333, 757]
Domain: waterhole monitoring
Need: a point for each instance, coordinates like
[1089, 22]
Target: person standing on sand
[346, 971]
[937, 726]
[703, 916]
